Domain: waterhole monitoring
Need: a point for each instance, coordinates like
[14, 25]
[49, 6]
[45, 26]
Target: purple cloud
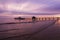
[51, 8]
[2, 11]
[33, 6]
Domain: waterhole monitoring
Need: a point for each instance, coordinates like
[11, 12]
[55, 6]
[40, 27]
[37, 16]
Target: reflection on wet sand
[23, 30]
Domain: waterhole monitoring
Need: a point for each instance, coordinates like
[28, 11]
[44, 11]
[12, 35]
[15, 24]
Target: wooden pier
[48, 18]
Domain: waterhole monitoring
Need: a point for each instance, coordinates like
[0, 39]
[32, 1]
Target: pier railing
[48, 18]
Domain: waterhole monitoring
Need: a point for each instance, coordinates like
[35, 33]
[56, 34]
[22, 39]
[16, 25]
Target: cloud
[52, 8]
[31, 6]
[25, 7]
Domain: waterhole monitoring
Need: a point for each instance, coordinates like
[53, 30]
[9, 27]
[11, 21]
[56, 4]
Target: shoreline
[24, 22]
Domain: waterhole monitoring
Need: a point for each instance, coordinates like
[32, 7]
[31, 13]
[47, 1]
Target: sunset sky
[29, 7]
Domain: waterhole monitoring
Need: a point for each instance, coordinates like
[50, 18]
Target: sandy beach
[42, 30]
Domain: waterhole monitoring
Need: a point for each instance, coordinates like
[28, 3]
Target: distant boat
[19, 18]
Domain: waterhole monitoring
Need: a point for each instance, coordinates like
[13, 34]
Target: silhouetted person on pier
[33, 18]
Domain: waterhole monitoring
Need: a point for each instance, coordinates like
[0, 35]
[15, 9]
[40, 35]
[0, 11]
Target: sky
[29, 7]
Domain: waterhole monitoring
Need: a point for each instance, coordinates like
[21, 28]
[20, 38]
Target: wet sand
[42, 30]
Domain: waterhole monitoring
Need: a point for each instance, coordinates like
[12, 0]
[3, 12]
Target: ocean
[40, 30]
